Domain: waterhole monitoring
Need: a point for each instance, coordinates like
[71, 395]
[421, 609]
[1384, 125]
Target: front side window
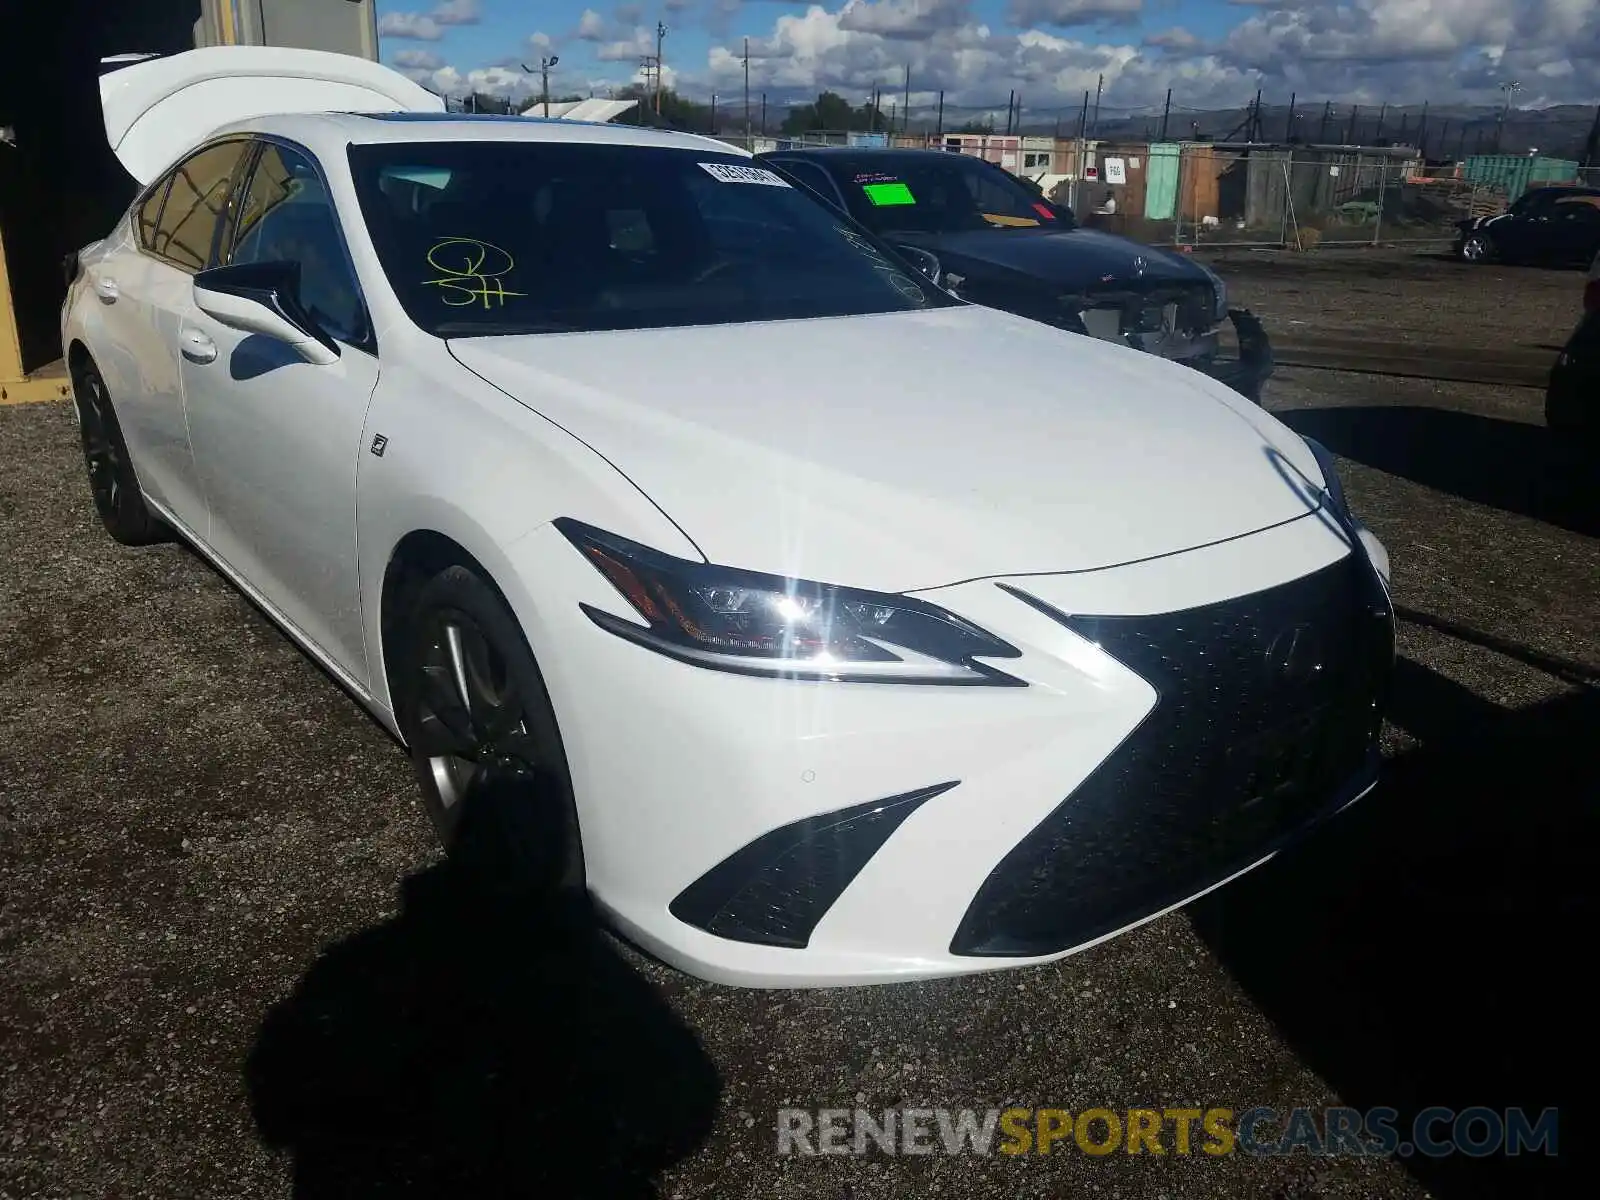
[524, 237]
[197, 195]
[936, 193]
[287, 216]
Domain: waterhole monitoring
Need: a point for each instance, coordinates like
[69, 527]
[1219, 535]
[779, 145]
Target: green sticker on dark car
[884, 194]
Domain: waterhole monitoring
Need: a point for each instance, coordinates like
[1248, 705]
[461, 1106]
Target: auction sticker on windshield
[883, 195]
[730, 173]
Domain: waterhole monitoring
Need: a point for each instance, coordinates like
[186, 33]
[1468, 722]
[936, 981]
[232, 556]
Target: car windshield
[536, 237]
[935, 193]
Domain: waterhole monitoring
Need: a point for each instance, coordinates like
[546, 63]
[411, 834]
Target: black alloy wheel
[484, 742]
[112, 480]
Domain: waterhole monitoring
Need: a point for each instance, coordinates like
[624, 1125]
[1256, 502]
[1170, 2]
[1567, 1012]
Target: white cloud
[591, 26]
[418, 60]
[1075, 12]
[1176, 38]
[409, 26]
[910, 19]
[642, 42]
[506, 82]
[1362, 51]
[457, 12]
[429, 26]
[541, 43]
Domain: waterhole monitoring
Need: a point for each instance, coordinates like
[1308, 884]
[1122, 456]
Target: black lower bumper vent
[774, 890]
[1268, 715]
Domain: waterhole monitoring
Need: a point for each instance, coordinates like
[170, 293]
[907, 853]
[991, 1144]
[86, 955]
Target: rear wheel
[484, 744]
[112, 480]
[1476, 249]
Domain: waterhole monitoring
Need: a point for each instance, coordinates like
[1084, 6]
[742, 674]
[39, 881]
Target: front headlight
[756, 624]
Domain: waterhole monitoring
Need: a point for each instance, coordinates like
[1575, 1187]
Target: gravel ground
[234, 965]
[1402, 297]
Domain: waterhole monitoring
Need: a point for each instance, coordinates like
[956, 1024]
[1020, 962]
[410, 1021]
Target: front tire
[113, 482]
[1476, 249]
[484, 743]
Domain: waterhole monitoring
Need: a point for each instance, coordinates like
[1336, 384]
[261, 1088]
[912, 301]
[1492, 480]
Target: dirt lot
[235, 967]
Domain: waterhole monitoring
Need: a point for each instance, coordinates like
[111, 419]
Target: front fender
[462, 459]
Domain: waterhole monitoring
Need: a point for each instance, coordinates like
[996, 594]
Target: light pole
[1509, 88]
[546, 61]
[661, 34]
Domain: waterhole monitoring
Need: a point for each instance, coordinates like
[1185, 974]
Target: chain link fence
[1304, 197]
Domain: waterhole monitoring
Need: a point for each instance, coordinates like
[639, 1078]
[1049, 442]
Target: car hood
[1068, 258]
[911, 450]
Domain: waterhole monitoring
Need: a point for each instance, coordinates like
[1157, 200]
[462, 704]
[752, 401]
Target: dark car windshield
[528, 237]
[934, 193]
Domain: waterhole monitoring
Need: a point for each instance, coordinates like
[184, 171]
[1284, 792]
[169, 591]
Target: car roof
[329, 133]
[906, 152]
[1563, 190]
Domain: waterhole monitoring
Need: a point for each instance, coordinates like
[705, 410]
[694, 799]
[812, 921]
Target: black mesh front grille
[1268, 713]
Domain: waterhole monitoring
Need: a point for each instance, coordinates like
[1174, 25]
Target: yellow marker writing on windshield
[470, 272]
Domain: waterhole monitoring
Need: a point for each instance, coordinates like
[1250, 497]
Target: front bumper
[775, 833]
[1247, 373]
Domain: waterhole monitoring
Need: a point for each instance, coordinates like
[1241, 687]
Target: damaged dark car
[1000, 244]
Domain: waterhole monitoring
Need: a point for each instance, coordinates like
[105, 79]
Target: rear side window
[197, 196]
[148, 215]
[814, 177]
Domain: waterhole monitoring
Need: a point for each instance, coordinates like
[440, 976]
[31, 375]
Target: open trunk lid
[159, 108]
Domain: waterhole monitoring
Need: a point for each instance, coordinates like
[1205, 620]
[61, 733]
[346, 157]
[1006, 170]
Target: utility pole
[1078, 168]
[1377, 135]
[747, 145]
[713, 114]
[905, 112]
[1253, 134]
[1422, 132]
[1166, 111]
[938, 127]
[1327, 114]
[546, 61]
[1350, 129]
[1010, 100]
[1099, 86]
[763, 114]
[1509, 88]
[1288, 124]
[661, 34]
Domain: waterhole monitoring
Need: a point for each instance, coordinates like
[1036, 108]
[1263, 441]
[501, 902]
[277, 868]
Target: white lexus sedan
[821, 627]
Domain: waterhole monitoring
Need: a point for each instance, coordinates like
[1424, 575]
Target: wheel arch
[416, 557]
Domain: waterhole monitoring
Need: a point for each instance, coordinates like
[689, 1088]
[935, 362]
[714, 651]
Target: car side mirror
[264, 298]
[925, 261]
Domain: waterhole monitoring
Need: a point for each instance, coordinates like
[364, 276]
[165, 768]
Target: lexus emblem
[1139, 264]
[1295, 655]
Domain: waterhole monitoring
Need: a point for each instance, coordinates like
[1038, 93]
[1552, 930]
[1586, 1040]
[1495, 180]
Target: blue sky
[1212, 53]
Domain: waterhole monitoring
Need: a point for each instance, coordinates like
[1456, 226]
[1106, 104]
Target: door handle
[197, 347]
[106, 289]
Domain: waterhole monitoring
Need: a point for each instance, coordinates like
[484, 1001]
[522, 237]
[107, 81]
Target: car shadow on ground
[487, 1041]
[1432, 946]
[1508, 465]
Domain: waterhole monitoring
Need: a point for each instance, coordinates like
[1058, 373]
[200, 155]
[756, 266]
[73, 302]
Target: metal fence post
[1177, 204]
[1383, 179]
